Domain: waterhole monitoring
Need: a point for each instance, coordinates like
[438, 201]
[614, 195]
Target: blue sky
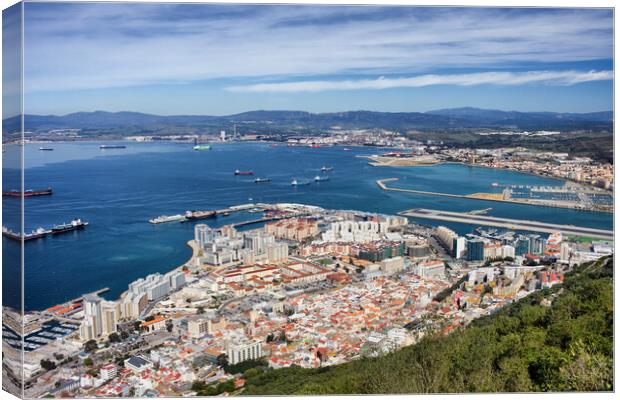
[223, 59]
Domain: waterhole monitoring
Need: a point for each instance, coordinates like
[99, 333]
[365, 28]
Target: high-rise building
[100, 317]
[475, 250]
[243, 350]
[203, 234]
[458, 247]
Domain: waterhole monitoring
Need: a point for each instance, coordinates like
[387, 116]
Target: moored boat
[71, 226]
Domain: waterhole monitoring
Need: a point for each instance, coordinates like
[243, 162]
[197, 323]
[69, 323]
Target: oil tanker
[71, 226]
[195, 215]
[28, 192]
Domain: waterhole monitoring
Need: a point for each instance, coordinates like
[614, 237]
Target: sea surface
[118, 190]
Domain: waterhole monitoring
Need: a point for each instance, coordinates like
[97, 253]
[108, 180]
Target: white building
[244, 350]
[392, 265]
[100, 317]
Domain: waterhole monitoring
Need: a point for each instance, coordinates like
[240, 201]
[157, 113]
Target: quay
[514, 224]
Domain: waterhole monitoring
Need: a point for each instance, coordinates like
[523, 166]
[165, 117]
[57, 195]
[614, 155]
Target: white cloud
[562, 78]
[106, 45]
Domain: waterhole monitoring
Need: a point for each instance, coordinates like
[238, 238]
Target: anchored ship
[28, 192]
[262, 180]
[202, 147]
[112, 146]
[237, 172]
[167, 218]
[71, 226]
[321, 178]
[295, 182]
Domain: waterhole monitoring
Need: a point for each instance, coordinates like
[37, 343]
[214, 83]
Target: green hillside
[564, 346]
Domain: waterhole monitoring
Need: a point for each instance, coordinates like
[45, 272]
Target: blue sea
[118, 190]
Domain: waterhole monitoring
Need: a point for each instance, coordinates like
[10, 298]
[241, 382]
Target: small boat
[273, 145]
[346, 149]
[327, 169]
[226, 214]
[237, 172]
[295, 182]
[112, 146]
[45, 149]
[321, 178]
[262, 180]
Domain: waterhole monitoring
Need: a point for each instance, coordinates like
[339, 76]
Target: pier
[513, 224]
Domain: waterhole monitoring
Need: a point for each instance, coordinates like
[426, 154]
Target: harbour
[119, 245]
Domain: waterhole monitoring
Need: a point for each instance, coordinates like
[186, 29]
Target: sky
[172, 59]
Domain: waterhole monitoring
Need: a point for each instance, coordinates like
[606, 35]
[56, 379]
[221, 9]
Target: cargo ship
[28, 192]
[295, 182]
[71, 226]
[45, 149]
[237, 172]
[36, 234]
[321, 178]
[202, 147]
[194, 215]
[112, 146]
[262, 180]
[327, 169]
[167, 218]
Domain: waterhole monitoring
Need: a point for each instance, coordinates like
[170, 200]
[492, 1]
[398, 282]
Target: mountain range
[444, 119]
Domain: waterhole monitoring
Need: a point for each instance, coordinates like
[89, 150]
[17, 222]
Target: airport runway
[514, 224]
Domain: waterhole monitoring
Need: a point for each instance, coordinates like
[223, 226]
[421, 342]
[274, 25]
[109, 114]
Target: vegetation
[48, 365]
[559, 339]
[242, 367]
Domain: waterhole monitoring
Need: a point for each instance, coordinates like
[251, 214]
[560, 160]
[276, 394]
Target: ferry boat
[327, 169]
[202, 147]
[321, 178]
[112, 146]
[295, 182]
[71, 226]
[262, 180]
[45, 149]
[167, 218]
[194, 215]
[28, 192]
[237, 172]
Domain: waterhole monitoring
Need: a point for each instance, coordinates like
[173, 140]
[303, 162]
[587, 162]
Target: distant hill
[446, 119]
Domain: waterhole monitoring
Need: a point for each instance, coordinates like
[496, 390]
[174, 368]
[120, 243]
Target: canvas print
[229, 199]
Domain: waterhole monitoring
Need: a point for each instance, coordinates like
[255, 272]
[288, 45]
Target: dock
[513, 224]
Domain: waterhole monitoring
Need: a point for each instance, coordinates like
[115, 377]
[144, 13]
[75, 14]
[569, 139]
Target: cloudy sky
[223, 59]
